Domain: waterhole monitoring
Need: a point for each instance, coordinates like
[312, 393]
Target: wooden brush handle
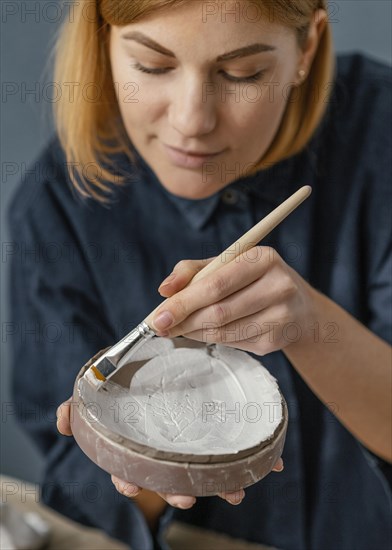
[250, 239]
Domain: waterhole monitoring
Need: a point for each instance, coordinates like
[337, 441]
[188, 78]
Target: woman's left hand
[256, 303]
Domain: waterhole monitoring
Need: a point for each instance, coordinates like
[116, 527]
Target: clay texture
[193, 417]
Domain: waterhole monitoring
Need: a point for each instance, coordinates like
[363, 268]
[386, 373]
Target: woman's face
[200, 80]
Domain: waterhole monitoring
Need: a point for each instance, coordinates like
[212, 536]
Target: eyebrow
[252, 49]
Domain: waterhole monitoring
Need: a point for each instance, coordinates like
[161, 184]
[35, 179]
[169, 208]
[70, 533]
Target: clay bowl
[196, 419]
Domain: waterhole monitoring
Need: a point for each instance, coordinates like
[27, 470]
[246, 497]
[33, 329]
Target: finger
[270, 330]
[252, 299]
[279, 466]
[182, 274]
[233, 498]
[260, 344]
[63, 414]
[260, 347]
[214, 287]
[250, 329]
[125, 487]
[179, 501]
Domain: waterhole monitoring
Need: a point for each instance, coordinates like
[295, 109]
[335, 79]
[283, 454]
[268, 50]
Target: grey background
[26, 43]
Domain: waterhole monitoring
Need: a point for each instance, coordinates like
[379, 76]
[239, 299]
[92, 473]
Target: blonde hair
[90, 129]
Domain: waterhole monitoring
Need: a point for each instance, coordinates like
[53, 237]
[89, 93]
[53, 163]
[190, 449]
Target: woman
[184, 124]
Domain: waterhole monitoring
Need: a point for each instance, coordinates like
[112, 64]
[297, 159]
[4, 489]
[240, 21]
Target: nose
[192, 111]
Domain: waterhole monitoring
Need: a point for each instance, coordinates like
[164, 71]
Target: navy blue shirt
[83, 275]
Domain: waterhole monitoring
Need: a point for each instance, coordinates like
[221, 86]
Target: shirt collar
[272, 185]
[196, 212]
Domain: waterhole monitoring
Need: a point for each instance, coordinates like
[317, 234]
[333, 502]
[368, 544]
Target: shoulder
[46, 196]
[353, 143]
[360, 104]
[352, 154]
[358, 71]
[44, 183]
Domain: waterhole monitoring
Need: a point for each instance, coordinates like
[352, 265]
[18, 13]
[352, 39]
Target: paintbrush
[110, 361]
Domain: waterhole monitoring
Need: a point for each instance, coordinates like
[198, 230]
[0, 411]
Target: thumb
[63, 414]
[181, 275]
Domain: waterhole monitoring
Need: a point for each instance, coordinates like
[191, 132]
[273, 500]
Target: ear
[315, 32]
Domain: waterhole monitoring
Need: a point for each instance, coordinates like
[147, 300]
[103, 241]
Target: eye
[253, 78]
[161, 70]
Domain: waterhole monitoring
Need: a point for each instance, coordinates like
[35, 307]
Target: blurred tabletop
[66, 534]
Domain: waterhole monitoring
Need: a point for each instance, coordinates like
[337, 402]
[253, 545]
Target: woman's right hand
[131, 490]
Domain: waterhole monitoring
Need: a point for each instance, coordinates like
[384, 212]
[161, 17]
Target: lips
[189, 159]
[194, 153]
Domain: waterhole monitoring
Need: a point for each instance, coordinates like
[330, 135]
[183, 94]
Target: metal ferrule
[109, 361]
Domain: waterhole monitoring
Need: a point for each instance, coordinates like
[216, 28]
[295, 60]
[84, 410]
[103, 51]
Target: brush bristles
[94, 377]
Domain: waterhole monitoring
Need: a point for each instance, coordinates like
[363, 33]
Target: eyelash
[252, 78]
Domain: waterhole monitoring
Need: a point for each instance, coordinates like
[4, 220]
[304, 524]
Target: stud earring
[301, 73]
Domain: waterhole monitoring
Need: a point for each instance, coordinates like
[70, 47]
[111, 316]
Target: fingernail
[236, 499]
[168, 280]
[164, 320]
[184, 506]
[131, 491]
[280, 469]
